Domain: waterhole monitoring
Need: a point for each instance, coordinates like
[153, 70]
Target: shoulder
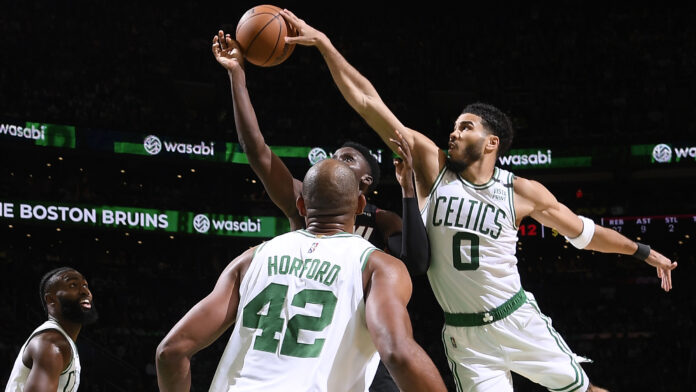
[388, 272]
[236, 269]
[380, 261]
[49, 347]
[531, 195]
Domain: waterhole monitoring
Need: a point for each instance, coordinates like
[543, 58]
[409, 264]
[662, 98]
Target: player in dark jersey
[381, 227]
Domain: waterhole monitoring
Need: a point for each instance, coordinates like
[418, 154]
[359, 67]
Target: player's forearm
[356, 89]
[609, 241]
[248, 131]
[415, 247]
[412, 369]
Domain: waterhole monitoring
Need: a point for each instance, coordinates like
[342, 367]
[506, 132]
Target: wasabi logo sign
[316, 155]
[24, 132]
[41, 134]
[202, 224]
[663, 153]
[143, 219]
[538, 158]
[153, 146]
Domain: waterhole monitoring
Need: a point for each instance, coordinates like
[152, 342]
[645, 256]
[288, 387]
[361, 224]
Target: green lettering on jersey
[449, 210]
[332, 275]
[284, 264]
[322, 270]
[272, 265]
[437, 202]
[496, 234]
[296, 267]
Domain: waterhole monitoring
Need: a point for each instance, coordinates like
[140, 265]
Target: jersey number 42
[271, 323]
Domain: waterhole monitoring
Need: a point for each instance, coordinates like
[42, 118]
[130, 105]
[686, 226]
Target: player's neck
[479, 172]
[71, 328]
[329, 225]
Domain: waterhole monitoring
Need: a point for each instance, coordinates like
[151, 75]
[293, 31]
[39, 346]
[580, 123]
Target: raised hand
[227, 52]
[306, 34]
[404, 165]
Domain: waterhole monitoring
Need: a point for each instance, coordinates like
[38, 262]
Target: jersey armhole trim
[72, 354]
[259, 247]
[366, 255]
[511, 198]
[438, 179]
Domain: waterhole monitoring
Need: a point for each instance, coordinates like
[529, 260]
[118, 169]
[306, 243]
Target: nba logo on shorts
[454, 342]
[314, 246]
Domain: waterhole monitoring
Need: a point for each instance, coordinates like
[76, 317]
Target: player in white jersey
[472, 210]
[48, 360]
[310, 307]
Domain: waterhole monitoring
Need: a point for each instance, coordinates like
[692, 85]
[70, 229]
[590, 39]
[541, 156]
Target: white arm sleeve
[588, 228]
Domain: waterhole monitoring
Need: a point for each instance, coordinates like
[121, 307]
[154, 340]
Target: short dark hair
[495, 121]
[47, 281]
[371, 160]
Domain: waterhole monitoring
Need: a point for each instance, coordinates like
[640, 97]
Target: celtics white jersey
[70, 377]
[301, 318]
[473, 238]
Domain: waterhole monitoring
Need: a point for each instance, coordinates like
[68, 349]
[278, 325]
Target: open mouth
[86, 304]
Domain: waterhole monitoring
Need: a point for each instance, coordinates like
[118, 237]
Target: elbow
[397, 354]
[168, 353]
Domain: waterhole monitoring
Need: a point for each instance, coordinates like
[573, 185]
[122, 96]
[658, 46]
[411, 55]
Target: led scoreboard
[633, 226]
[630, 226]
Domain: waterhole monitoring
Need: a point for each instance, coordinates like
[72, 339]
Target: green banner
[41, 134]
[149, 219]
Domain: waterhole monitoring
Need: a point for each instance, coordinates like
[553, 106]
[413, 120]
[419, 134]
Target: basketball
[261, 33]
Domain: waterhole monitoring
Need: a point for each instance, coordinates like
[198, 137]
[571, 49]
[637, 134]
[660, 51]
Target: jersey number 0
[473, 240]
[271, 323]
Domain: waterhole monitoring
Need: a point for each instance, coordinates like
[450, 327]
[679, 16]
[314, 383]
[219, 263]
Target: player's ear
[301, 205]
[361, 204]
[50, 299]
[365, 182]
[493, 143]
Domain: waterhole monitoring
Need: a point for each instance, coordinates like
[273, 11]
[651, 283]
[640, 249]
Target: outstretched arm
[534, 200]
[282, 188]
[363, 98]
[200, 327]
[387, 294]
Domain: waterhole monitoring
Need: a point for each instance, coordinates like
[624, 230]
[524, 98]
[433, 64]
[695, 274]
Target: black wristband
[642, 252]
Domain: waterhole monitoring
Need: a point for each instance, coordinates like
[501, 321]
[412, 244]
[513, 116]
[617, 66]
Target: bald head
[330, 187]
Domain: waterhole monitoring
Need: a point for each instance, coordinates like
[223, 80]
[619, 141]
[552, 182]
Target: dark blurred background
[583, 81]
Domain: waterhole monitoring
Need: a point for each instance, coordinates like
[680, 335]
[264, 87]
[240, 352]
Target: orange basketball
[261, 34]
